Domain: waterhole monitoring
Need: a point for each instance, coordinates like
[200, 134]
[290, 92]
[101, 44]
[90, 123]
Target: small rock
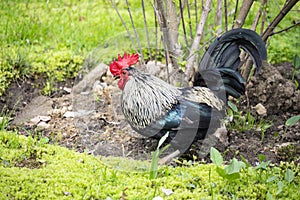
[35, 120]
[98, 88]
[70, 107]
[56, 111]
[70, 114]
[103, 84]
[64, 109]
[284, 144]
[45, 118]
[39, 118]
[79, 113]
[68, 90]
[280, 127]
[43, 125]
[250, 84]
[260, 109]
[221, 134]
[85, 85]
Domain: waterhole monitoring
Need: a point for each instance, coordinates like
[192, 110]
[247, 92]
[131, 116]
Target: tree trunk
[244, 10]
[169, 23]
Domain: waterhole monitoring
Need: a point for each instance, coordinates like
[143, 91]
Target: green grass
[51, 39]
[32, 169]
[238, 120]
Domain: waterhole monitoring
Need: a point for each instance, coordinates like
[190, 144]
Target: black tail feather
[222, 60]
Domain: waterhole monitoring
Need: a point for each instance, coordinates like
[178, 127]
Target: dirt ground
[87, 117]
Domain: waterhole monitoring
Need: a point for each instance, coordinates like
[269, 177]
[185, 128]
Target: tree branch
[235, 11]
[135, 33]
[124, 24]
[195, 46]
[190, 20]
[286, 29]
[226, 15]
[244, 10]
[286, 8]
[246, 69]
[219, 17]
[183, 24]
[146, 29]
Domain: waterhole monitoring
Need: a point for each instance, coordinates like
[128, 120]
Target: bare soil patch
[89, 119]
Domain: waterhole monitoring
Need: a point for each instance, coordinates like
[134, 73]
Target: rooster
[153, 107]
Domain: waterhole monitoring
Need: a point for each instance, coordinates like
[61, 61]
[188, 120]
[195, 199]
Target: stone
[45, 118]
[87, 83]
[39, 106]
[35, 120]
[43, 125]
[260, 109]
[68, 90]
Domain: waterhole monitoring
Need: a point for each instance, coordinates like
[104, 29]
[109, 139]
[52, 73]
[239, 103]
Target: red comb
[123, 62]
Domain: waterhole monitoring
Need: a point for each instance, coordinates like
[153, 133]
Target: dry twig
[219, 17]
[146, 30]
[135, 33]
[124, 24]
[195, 46]
[286, 8]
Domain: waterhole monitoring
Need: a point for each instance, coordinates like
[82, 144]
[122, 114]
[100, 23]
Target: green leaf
[154, 164]
[229, 112]
[266, 126]
[44, 140]
[164, 148]
[235, 166]
[292, 121]
[296, 61]
[280, 186]
[232, 106]
[221, 172]
[296, 84]
[233, 176]
[155, 157]
[162, 140]
[245, 161]
[261, 157]
[269, 196]
[289, 175]
[272, 178]
[263, 165]
[216, 157]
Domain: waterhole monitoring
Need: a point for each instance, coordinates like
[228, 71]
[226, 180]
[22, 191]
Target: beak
[116, 77]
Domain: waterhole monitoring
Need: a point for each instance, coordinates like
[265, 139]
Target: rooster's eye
[124, 72]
